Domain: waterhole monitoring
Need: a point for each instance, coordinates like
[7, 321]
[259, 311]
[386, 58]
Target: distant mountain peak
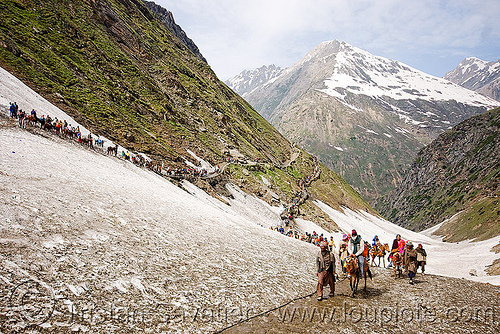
[362, 114]
[477, 75]
[357, 71]
[248, 80]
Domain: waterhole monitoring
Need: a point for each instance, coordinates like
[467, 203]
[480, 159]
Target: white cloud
[235, 34]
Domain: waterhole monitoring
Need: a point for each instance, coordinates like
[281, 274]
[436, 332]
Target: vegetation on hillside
[457, 177]
[115, 68]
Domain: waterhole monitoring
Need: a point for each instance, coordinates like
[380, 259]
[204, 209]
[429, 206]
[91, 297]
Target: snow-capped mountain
[359, 72]
[478, 75]
[365, 116]
[247, 80]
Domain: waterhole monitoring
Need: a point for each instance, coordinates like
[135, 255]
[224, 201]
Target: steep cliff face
[167, 18]
[456, 177]
[478, 75]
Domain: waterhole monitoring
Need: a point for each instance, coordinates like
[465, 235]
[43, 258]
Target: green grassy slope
[457, 175]
[121, 73]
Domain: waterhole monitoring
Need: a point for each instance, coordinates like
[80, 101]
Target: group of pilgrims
[62, 128]
[352, 245]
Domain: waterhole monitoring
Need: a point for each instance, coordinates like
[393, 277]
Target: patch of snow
[265, 180]
[447, 259]
[204, 164]
[368, 130]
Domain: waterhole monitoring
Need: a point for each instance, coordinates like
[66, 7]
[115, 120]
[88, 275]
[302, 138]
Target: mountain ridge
[363, 115]
[167, 18]
[248, 80]
[477, 75]
[455, 180]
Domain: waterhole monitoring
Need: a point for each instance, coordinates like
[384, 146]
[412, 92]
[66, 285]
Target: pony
[32, 119]
[352, 268]
[112, 149]
[85, 141]
[69, 133]
[379, 251]
[47, 126]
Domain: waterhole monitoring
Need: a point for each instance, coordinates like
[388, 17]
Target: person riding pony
[356, 248]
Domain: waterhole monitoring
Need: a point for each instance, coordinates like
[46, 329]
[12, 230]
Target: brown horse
[47, 126]
[69, 133]
[32, 120]
[380, 253]
[84, 141]
[112, 149]
[352, 268]
[397, 260]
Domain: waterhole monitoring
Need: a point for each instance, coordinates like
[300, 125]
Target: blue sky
[430, 35]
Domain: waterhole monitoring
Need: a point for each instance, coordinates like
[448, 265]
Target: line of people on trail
[291, 210]
[61, 127]
[47, 123]
[185, 171]
[352, 245]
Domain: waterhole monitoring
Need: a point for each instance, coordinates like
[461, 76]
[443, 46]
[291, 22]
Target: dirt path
[434, 304]
[295, 154]
[292, 210]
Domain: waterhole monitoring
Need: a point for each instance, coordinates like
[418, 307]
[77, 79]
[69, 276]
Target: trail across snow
[97, 230]
[73, 218]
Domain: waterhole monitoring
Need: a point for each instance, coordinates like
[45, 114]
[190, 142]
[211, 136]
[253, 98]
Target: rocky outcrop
[167, 18]
[456, 177]
[478, 75]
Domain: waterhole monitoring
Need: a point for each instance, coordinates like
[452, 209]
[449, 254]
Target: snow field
[96, 221]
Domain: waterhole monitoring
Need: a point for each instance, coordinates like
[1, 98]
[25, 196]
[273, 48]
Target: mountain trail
[434, 304]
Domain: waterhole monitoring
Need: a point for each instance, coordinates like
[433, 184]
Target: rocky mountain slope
[248, 80]
[478, 75]
[167, 18]
[118, 70]
[456, 178]
[364, 116]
